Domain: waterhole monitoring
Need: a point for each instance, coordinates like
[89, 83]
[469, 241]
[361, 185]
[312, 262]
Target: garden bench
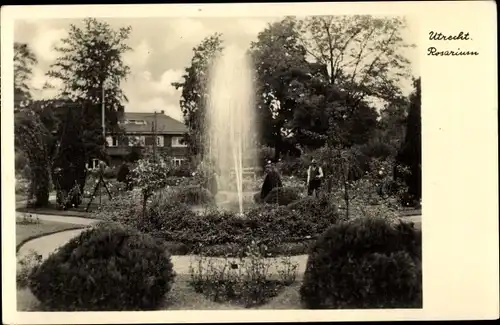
[248, 171]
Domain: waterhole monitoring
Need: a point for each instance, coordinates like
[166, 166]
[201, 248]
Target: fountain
[231, 130]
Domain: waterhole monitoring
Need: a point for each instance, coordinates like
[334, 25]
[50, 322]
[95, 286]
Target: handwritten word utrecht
[462, 36]
[433, 36]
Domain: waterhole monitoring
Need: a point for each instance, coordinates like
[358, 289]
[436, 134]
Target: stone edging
[24, 241]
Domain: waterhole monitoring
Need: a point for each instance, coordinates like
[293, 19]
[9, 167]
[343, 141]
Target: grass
[53, 210]
[212, 290]
[183, 297]
[28, 231]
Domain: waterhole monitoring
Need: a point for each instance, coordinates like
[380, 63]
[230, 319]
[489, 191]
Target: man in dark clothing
[124, 176]
[314, 176]
[272, 180]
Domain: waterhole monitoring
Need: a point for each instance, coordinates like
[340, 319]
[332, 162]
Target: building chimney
[162, 112]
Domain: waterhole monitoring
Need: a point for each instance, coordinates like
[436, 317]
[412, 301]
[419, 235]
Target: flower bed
[216, 232]
[251, 280]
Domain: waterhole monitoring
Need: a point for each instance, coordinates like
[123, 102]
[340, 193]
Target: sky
[162, 49]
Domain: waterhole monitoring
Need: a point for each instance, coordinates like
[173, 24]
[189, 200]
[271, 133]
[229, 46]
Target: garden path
[48, 244]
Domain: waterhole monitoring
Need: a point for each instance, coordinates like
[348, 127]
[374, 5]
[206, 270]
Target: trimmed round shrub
[282, 195]
[365, 263]
[109, 267]
[193, 195]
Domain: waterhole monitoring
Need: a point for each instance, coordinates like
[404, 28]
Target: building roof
[165, 124]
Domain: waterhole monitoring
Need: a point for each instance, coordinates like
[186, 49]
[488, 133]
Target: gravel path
[48, 244]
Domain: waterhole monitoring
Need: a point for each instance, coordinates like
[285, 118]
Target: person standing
[272, 180]
[314, 176]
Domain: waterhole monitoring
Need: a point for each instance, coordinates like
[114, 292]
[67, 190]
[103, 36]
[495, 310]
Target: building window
[95, 163]
[112, 141]
[137, 141]
[177, 161]
[160, 140]
[137, 122]
[178, 142]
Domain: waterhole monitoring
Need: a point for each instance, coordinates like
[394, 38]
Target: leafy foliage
[26, 266]
[247, 280]
[365, 263]
[124, 208]
[362, 53]
[24, 60]
[194, 90]
[410, 153]
[265, 224]
[282, 195]
[311, 206]
[35, 140]
[109, 267]
[193, 195]
[149, 176]
[281, 66]
[90, 60]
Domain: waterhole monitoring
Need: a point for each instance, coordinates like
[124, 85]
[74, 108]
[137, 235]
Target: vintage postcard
[250, 162]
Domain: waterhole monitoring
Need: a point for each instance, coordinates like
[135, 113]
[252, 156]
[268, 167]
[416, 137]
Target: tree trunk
[346, 199]
[40, 180]
[144, 204]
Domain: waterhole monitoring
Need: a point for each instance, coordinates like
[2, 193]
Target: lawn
[182, 297]
[30, 230]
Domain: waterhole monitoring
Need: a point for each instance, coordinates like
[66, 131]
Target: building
[140, 130]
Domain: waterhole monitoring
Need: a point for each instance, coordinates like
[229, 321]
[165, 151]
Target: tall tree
[194, 90]
[34, 137]
[392, 123]
[410, 154]
[281, 69]
[90, 61]
[363, 53]
[90, 65]
[24, 60]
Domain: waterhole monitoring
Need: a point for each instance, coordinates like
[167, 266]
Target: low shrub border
[284, 230]
[233, 249]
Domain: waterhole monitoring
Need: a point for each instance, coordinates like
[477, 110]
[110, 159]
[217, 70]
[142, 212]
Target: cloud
[139, 56]
[38, 82]
[250, 26]
[44, 41]
[185, 31]
[162, 48]
[164, 85]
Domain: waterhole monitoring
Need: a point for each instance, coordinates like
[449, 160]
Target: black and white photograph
[217, 162]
